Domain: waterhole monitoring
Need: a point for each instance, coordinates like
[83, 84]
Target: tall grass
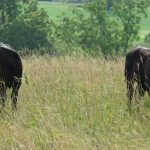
[73, 103]
[55, 9]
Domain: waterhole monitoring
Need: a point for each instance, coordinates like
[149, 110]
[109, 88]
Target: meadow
[74, 103]
[55, 9]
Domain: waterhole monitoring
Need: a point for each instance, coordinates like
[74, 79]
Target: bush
[147, 38]
[30, 29]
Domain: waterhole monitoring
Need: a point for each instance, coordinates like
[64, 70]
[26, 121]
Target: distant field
[54, 9]
[145, 25]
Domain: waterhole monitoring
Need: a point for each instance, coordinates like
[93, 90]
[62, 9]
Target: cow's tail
[142, 74]
[18, 69]
[128, 72]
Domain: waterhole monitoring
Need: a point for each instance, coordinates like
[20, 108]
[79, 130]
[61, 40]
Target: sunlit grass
[74, 103]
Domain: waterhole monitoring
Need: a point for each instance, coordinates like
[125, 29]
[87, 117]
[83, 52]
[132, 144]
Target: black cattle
[10, 73]
[137, 69]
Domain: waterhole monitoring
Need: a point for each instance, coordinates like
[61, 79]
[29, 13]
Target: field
[74, 103]
[55, 9]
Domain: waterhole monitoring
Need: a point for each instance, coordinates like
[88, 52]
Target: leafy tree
[29, 29]
[74, 32]
[129, 14]
[121, 27]
[9, 10]
[109, 32]
[109, 4]
[94, 31]
[108, 29]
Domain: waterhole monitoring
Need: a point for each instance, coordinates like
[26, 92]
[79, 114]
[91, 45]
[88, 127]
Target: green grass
[74, 103]
[146, 21]
[145, 25]
[55, 9]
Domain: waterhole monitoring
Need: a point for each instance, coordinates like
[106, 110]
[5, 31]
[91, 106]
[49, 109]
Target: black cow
[10, 73]
[137, 69]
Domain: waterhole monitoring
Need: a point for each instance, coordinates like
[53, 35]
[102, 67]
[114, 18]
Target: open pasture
[74, 103]
[55, 9]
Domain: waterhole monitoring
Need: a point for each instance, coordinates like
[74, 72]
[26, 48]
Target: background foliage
[28, 27]
[109, 31]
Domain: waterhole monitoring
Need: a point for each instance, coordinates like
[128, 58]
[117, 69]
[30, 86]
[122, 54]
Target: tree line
[97, 27]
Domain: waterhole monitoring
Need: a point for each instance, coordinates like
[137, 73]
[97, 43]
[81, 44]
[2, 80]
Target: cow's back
[131, 61]
[135, 65]
[10, 65]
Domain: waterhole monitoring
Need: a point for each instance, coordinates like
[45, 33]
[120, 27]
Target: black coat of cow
[10, 73]
[137, 69]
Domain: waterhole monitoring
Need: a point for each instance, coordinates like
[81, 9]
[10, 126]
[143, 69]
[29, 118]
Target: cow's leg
[3, 93]
[4, 96]
[141, 84]
[148, 91]
[14, 94]
[130, 91]
[141, 88]
[141, 91]
[139, 94]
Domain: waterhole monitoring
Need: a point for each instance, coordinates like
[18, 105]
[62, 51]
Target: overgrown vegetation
[74, 103]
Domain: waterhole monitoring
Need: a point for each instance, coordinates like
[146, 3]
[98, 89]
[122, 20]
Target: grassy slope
[74, 103]
[55, 9]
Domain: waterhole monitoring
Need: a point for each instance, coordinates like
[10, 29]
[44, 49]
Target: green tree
[74, 32]
[120, 28]
[129, 14]
[29, 29]
[9, 10]
[95, 31]
[108, 29]
[109, 4]
[101, 30]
